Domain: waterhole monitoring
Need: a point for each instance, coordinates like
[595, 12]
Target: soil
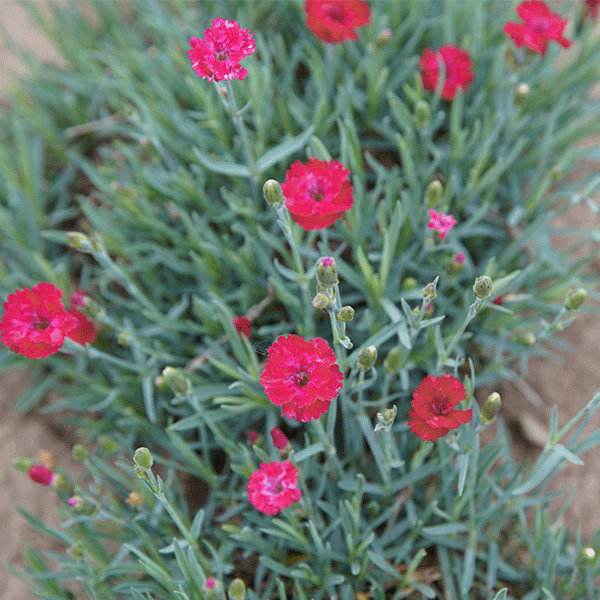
[569, 384]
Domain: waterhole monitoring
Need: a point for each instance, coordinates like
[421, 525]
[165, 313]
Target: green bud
[22, 464]
[345, 314]
[527, 338]
[393, 360]
[237, 590]
[108, 444]
[78, 240]
[321, 301]
[416, 312]
[491, 408]
[434, 192]
[79, 452]
[556, 173]
[213, 590]
[177, 381]
[124, 338]
[429, 291]
[386, 418]
[586, 557]
[143, 458]
[482, 286]
[60, 482]
[367, 357]
[410, 283]
[575, 298]
[75, 550]
[327, 271]
[273, 193]
[140, 473]
[422, 114]
[521, 93]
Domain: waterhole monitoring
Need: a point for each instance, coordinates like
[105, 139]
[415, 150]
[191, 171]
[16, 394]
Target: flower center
[440, 404]
[335, 13]
[41, 322]
[539, 25]
[315, 189]
[274, 486]
[222, 55]
[300, 378]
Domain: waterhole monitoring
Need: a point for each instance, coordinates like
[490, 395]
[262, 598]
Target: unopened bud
[135, 499]
[237, 590]
[143, 458]
[108, 445]
[586, 557]
[273, 193]
[327, 271]
[80, 506]
[367, 357]
[75, 550]
[422, 113]
[321, 301]
[429, 291]
[345, 314]
[482, 286]
[22, 464]
[177, 381]
[79, 452]
[47, 458]
[140, 473]
[213, 590]
[527, 338]
[386, 418]
[159, 383]
[410, 283]
[429, 310]
[60, 482]
[521, 93]
[434, 192]
[491, 408]
[279, 438]
[393, 360]
[223, 92]
[556, 173]
[124, 338]
[575, 298]
[77, 240]
[253, 437]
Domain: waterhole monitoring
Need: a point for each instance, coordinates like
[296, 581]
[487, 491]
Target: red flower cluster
[441, 223]
[334, 21]
[41, 474]
[35, 322]
[458, 67]
[273, 487]
[301, 376]
[540, 25]
[433, 414]
[218, 55]
[317, 193]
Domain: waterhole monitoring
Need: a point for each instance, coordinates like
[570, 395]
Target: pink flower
[317, 193]
[433, 412]
[441, 223]
[218, 55]
[253, 437]
[458, 67]
[459, 258]
[35, 322]
[75, 501]
[209, 583]
[301, 376]
[41, 474]
[280, 441]
[539, 27]
[273, 487]
[334, 21]
[243, 326]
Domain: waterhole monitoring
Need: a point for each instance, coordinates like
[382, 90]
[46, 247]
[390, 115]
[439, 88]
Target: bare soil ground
[526, 406]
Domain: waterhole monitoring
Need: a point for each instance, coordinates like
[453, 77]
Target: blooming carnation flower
[540, 26]
[433, 414]
[242, 326]
[441, 223]
[317, 193]
[334, 21]
[35, 322]
[218, 55]
[301, 376]
[458, 67]
[273, 487]
[41, 474]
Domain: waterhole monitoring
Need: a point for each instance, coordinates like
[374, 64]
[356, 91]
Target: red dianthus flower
[433, 414]
[317, 193]
[441, 223]
[41, 474]
[243, 326]
[334, 21]
[35, 322]
[301, 376]
[218, 55]
[540, 26]
[273, 487]
[458, 67]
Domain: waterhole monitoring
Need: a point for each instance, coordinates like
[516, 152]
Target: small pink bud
[279, 440]
[253, 436]
[210, 583]
[459, 258]
[41, 474]
[74, 501]
[242, 326]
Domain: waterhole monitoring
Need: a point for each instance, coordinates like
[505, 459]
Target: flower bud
[321, 301]
[108, 445]
[75, 550]
[410, 283]
[41, 474]
[429, 291]
[556, 173]
[428, 310]
[386, 418]
[367, 357]
[79, 452]
[491, 408]
[326, 271]
[521, 93]
[345, 314]
[527, 338]
[482, 286]
[586, 557]
[134, 499]
[434, 192]
[143, 458]
[140, 473]
[77, 240]
[575, 298]
[237, 590]
[124, 338]
[393, 360]
[279, 438]
[61, 483]
[80, 506]
[273, 193]
[47, 459]
[22, 464]
[422, 114]
[177, 381]
[253, 437]
[213, 590]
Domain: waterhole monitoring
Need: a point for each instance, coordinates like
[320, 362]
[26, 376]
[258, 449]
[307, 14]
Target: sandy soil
[526, 406]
